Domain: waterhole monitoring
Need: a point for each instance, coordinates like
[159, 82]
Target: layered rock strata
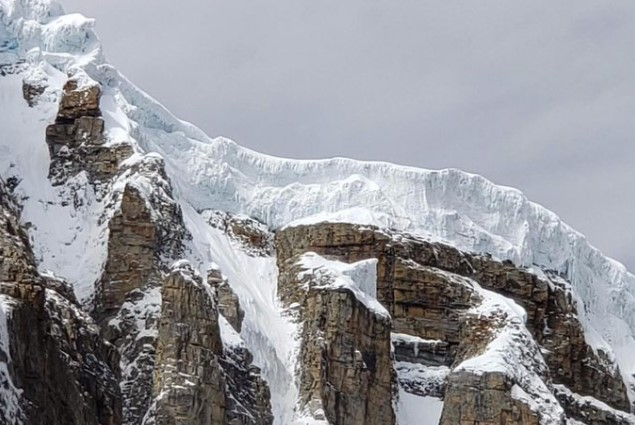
[417, 283]
[76, 140]
[197, 381]
[61, 371]
[250, 235]
[147, 310]
[344, 367]
[188, 386]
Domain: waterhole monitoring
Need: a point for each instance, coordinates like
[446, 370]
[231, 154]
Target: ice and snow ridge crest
[459, 208]
[42, 30]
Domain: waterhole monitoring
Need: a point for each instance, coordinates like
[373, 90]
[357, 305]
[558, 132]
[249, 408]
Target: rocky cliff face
[158, 327]
[60, 370]
[430, 290]
[76, 140]
[196, 381]
[344, 366]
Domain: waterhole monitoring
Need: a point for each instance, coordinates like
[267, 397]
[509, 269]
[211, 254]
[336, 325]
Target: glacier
[462, 209]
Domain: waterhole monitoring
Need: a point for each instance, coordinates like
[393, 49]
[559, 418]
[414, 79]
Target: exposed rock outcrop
[485, 398]
[251, 235]
[146, 233]
[249, 400]
[164, 328]
[228, 302]
[433, 352]
[32, 92]
[189, 386]
[499, 375]
[590, 411]
[344, 366]
[132, 251]
[60, 372]
[417, 283]
[76, 140]
[196, 380]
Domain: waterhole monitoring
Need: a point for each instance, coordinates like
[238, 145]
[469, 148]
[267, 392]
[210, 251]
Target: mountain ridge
[461, 209]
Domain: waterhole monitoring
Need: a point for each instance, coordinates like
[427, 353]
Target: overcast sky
[539, 94]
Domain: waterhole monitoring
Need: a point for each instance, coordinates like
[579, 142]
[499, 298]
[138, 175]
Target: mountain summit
[152, 275]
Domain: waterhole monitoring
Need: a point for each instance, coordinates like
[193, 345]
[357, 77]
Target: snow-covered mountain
[124, 209]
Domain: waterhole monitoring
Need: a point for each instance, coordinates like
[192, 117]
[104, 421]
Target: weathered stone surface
[65, 372]
[228, 302]
[145, 234]
[32, 92]
[590, 411]
[79, 100]
[132, 251]
[414, 285]
[432, 352]
[484, 399]
[572, 361]
[197, 381]
[499, 375]
[251, 235]
[189, 385]
[250, 400]
[428, 303]
[76, 140]
[345, 367]
[422, 380]
[17, 264]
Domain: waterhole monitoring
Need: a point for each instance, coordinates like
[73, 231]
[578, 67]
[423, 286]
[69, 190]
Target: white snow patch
[140, 313]
[228, 334]
[360, 278]
[10, 395]
[415, 410]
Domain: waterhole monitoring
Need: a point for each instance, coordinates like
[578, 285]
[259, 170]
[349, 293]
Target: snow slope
[462, 209]
[9, 394]
[413, 409]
